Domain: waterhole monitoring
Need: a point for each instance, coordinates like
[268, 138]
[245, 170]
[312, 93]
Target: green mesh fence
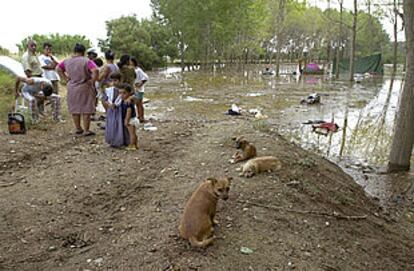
[370, 64]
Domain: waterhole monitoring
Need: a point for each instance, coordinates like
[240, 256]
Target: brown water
[364, 111]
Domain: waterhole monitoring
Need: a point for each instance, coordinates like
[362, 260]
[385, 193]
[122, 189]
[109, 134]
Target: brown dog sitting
[261, 164]
[248, 150]
[198, 218]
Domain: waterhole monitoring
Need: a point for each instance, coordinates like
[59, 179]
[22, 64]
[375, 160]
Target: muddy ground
[73, 203]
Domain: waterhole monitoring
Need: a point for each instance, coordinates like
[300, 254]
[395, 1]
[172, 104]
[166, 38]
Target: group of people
[120, 88]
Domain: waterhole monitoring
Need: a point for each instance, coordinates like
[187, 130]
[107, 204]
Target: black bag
[16, 122]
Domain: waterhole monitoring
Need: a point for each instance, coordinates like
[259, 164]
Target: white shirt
[110, 92]
[141, 76]
[52, 75]
[36, 87]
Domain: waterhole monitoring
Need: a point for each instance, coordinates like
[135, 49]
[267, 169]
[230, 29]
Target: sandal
[79, 132]
[89, 133]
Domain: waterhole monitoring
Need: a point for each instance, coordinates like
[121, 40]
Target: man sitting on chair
[37, 90]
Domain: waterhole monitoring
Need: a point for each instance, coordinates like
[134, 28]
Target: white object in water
[192, 99]
[358, 77]
[11, 66]
[260, 116]
[254, 111]
[235, 108]
[254, 94]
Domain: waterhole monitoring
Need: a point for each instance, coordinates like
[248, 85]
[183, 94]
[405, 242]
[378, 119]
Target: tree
[62, 44]
[149, 41]
[353, 41]
[340, 38]
[403, 138]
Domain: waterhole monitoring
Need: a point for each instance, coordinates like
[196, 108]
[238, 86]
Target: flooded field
[364, 112]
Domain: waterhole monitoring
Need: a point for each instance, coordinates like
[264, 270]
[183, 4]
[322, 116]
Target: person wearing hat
[92, 53]
[35, 90]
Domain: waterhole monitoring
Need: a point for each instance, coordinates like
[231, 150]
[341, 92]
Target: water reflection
[365, 115]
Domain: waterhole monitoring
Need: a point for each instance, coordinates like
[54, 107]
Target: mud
[70, 203]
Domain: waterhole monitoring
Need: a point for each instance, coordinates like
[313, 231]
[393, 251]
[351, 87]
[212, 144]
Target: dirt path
[76, 204]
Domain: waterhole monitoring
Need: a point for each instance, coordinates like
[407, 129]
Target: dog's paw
[232, 161]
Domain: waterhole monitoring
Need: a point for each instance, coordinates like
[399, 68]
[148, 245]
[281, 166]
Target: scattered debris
[313, 98]
[150, 127]
[246, 250]
[234, 110]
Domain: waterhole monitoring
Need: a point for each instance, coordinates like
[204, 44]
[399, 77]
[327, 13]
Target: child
[129, 115]
[140, 81]
[111, 93]
[116, 134]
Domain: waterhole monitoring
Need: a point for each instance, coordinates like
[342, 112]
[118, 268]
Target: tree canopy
[148, 40]
[62, 44]
[247, 29]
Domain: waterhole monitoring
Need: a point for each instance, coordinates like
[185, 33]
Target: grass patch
[261, 125]
[6, 96]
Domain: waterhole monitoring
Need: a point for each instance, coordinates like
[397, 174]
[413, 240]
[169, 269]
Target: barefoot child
[116, 135]
[129, 115]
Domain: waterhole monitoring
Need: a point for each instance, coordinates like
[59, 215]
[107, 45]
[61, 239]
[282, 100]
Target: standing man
[49, 63]
[30, 62]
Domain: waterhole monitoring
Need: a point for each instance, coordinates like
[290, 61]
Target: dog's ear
[212, 180]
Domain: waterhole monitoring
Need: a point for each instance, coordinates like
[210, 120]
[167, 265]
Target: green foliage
[62, 44]
[149, 41]
[215, 28]
[6, 93]
[4, 51]
[236, 29]
[387, 55]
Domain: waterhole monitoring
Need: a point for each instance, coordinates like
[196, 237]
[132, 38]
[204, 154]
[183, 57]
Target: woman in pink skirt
[80, 73]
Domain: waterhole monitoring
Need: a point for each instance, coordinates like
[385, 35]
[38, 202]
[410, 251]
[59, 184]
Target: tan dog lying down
[261, 164]
[198, 219]
[248, 150]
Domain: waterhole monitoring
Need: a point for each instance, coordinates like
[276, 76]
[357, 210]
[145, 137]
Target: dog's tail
[195, 243]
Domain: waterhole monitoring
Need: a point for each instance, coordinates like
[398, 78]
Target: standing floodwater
[364, 111]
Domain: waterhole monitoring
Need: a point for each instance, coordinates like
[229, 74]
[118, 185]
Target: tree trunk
[278, 61]
[394, 60]
[403, 139]
[339, 40]
[280, 19]
[353, 42]
[182, 53]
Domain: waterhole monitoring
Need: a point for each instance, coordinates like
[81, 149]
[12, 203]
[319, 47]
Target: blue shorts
[139, 95]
